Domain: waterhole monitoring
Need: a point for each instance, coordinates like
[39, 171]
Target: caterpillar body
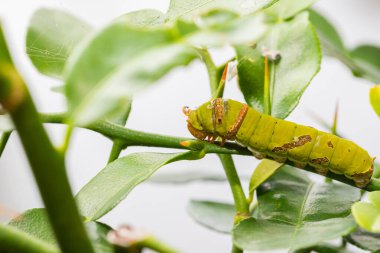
[279, 139]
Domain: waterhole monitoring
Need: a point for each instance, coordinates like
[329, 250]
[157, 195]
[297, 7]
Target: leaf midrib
[301, 213]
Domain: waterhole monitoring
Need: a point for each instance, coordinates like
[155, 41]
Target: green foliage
[190, 10]
[92, 95]
[213, 215]
[103, 69]
[263, 171]
[219, 28]
[365, 240]
[118, 178]
[367, 215]
[362, 60]
[35, 223]
[53, 183]
[295, 212]
[293, 40]
[286, 9]
[328, 35]
[325, 248]
[15, 240]
[187, 177]
[367, 59]
[374, 98]
[51, 37]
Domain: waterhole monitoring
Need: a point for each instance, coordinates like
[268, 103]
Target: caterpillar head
[193, 124]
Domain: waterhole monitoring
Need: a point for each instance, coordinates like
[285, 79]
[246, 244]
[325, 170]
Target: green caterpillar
[279, 139]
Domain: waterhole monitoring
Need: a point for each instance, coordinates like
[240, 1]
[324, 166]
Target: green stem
[66, 140]
[118, 145]
[154, 244]
[14, 240]
[138, 138]
[3, 141]
[47, 164]
[241, 204]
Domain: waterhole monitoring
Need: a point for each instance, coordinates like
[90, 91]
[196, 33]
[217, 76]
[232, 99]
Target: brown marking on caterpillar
[217, 111]
[330, 145]
[239, 120]
[320, 160]
[298, 142]
[199, 134]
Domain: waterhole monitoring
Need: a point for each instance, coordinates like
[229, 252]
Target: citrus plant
[278, 47]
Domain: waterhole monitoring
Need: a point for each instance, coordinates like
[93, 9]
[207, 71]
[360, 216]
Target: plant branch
[14, 240]
[241, 204]
[154, 244]
[118, 145]
[47, 164]
[139, 138]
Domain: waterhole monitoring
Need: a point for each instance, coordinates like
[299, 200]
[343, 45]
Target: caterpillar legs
[300, 165]
[362, 179]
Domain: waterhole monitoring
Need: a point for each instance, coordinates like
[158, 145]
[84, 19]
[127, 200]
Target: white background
[162, 208]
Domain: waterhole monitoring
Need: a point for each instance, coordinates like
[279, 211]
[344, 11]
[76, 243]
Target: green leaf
[15, 240]
[295, 212]
[298, 46]
[36, 223]
[263, 171]
[219, 28]
[365, 240]
[51, 37]
[285, 9]
[189, 10]
[112, 184]
[187, 177]
[324, 248]
[363, 60]
[367, 60]
[374, 98]
[122, 55]
[214, 215]
[145, 18]
[367, 215]
[327, 33]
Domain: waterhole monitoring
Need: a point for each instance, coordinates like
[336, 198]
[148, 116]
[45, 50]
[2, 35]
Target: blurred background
[161, 208]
